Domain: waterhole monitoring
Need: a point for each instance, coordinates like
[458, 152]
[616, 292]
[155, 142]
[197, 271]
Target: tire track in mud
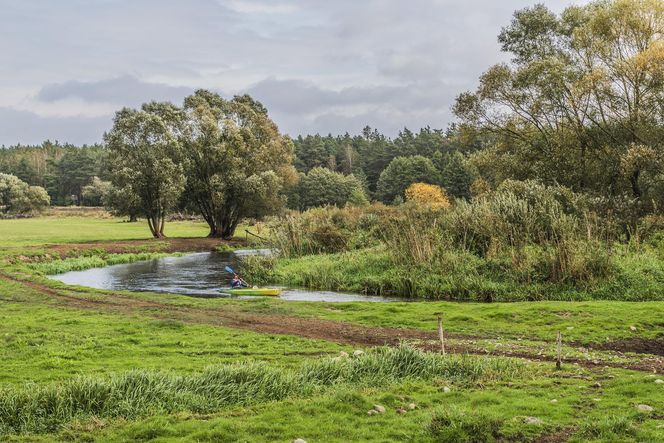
[320, 329]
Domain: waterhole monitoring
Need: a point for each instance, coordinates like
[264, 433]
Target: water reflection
[200, 275]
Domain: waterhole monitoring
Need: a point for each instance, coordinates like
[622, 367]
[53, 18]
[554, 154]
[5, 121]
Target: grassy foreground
[87, 365]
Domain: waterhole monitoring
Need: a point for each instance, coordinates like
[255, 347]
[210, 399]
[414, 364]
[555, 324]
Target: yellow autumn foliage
[428, 195]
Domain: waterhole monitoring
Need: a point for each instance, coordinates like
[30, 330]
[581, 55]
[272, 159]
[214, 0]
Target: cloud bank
[318, 66]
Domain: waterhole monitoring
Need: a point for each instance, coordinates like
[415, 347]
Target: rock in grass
[411, 406]
[597, 385]
[446, 389]
[554, 401]
[299, 440]
[371, 412]
[343, 354]
[358, 352]
[659, 381]
[401, 411]
[379, 408]
[645, 408]
[632, 328]
[533, 421]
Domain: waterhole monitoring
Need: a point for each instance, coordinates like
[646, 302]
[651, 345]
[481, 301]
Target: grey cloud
[124, 91]
[316, 64]
[29, 128]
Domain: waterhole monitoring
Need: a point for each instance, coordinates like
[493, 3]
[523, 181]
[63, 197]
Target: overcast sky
[318, 65]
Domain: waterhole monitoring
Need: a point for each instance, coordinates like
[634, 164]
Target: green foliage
[96, 193]
[358, 198]
[580, 103]
[145, 158]
[321, 187]
[403, 172]
[18, 198]
[238, 164]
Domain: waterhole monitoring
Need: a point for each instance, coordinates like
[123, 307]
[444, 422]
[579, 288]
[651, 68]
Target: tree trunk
[223, 227]
[133, 218]
[156, 226]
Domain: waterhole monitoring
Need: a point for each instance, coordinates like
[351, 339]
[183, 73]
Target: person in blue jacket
[238, 283]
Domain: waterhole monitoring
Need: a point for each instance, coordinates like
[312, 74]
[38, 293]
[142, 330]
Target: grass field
[85, 365]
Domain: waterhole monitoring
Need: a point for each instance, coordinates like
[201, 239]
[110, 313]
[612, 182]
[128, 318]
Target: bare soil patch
[654, 346]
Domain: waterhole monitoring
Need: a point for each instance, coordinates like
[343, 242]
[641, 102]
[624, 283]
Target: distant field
[75, 229]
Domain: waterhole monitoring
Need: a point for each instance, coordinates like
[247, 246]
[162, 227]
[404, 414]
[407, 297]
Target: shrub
[403, 172]
[425, 195]
[18, 198]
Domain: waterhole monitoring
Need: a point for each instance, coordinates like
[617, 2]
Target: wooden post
[559, 350]
[441, 334]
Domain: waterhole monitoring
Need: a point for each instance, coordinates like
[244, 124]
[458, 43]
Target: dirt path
[334, 331]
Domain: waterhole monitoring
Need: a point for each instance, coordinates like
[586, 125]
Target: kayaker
[238, 283]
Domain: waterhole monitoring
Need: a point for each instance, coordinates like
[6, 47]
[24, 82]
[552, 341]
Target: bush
[18, 198]
[322, 187]
[403, 172]
[425, 195]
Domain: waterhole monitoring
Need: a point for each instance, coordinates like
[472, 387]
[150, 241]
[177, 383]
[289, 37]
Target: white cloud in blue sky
[319, 66]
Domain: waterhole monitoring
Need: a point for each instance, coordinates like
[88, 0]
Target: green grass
[54, 230]
[139, 393]
[41, 342]
[460, 276]
[279, 387]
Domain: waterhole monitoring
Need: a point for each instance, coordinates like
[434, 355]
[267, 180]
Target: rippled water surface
[199, 275]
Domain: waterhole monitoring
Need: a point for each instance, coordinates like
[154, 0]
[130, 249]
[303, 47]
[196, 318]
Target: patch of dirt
[654, 346]
[329, 330]
[194, 244]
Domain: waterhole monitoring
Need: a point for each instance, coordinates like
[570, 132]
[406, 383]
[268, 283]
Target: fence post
[559, 350]
[441, 334]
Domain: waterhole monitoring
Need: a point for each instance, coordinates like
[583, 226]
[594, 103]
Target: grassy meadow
[80, 364]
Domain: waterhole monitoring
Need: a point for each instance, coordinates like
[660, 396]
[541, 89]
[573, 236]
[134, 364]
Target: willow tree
[583, 95]
[238, 164]
[145, 160]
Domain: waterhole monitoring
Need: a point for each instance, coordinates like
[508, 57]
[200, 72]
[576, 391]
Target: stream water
[198, 275]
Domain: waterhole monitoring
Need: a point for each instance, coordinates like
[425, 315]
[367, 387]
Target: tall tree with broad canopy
[238, 164]
[145, 160]
[583, 93]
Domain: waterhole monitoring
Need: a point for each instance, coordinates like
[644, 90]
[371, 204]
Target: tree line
[580, 105]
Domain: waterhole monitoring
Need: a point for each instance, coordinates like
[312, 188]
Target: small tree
[144, 155]
[358, 198]
[322, 186]
[17, 197]
[403, 172]
[431, 196]
[96, 192]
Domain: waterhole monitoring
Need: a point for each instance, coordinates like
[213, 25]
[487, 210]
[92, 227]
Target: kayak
[268, 292]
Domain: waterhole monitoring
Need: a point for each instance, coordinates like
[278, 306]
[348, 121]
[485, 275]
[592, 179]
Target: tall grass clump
[81, 263]
[42, 409]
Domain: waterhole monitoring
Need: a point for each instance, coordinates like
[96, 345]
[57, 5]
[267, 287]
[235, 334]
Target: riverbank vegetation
[523, 241]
